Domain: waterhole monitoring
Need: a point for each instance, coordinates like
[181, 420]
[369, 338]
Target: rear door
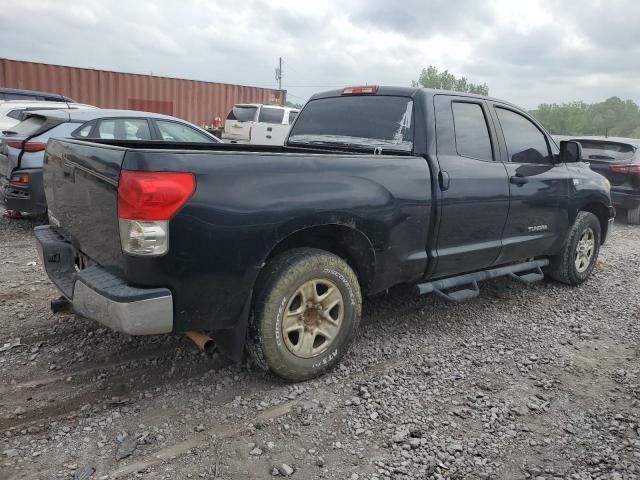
[271, 128]
[539, 187]
[474, 188]
[239, 122]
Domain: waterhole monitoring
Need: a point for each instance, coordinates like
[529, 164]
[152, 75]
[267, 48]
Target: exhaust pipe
[203, 341]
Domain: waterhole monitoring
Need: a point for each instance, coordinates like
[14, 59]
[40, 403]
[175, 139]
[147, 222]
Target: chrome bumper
[102, 296]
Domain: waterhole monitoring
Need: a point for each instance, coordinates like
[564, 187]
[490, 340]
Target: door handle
[518, 180]
[443, 178]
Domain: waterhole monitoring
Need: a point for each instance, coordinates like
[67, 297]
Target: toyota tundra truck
[271, 249]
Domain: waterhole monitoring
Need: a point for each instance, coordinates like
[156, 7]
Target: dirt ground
[524, 382]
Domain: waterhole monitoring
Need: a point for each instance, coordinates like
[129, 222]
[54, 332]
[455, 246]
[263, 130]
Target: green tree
[613, 117]
[430, 77]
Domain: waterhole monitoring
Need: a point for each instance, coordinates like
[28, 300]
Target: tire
[567, 267]
[294, 331]
[633, 216]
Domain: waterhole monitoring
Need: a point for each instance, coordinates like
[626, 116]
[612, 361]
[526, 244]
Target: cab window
[525, 142]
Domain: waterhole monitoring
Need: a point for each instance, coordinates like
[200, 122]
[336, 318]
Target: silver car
[22, 147]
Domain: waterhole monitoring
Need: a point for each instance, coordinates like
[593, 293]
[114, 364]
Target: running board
[443, 288]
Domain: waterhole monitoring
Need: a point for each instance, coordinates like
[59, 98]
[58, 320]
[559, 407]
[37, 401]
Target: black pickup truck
[273, 248]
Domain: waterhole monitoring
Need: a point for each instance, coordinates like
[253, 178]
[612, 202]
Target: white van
[258, 124]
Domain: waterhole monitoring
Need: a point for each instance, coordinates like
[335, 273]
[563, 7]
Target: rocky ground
[537, 382]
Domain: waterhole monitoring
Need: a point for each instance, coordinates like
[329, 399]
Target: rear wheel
[633, 216]
[306, 312]
[580, 252]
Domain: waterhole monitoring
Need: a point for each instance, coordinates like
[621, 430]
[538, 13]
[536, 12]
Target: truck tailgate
[81, 185]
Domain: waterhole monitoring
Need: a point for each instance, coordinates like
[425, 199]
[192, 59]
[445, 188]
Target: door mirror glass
[570, 151]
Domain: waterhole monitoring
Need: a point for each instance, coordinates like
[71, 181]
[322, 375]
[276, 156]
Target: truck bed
[248, 199]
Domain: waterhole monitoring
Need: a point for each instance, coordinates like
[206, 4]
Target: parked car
[618, 160]
[32, 95]
[12, 112]
[258, 124]
[22, 148]
[274, 247]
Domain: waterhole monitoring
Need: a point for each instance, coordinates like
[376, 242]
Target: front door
[539, 189]
[474, 188]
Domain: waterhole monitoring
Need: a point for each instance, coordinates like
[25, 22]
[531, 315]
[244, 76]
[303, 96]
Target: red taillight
[153, 195]
[361, 90]
[27, 146]
[626, 168]
[34, 147]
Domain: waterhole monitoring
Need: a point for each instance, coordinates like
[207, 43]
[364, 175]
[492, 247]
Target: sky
[527, 52]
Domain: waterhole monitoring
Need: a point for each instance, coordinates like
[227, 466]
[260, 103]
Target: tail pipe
[203, 341]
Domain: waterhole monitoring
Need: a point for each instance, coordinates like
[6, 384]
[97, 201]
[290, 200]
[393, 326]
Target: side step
[527, 272]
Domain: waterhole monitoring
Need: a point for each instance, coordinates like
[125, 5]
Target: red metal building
[197, 101]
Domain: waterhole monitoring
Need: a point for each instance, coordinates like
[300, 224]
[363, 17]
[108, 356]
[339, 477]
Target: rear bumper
[27, 199]
[231, 139]
[99, 294]
[625, 200]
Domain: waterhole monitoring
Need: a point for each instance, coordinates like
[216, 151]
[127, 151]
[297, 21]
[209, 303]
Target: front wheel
[306, 311]
[580, 252]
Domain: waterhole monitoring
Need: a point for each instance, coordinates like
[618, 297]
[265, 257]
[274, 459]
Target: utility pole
[279, 74]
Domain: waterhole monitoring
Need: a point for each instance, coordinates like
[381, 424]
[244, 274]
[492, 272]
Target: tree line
[613, 117]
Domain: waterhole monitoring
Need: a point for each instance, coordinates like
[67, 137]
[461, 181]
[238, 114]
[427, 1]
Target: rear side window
[17, 114]
[84, 130]
[29, 126]
[363, 121]
[124, 129]
[242, 114]
[271, 115]
[606, 151]
[292, 116]
[472, 133]
[178, 132]
[525, 142]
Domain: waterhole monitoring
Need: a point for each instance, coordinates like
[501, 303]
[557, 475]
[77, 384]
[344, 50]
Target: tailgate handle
[269, 136]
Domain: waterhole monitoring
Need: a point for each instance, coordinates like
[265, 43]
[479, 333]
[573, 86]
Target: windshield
[28, 126]
[598, 150]
[375, 121]
[243, 114]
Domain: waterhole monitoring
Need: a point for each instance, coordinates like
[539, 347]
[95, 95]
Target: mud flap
[231, 342]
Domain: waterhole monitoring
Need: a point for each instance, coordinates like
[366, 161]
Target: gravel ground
[525, 382]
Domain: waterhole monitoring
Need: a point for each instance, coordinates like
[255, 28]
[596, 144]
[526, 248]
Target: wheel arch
[343, 240]
[601, 211]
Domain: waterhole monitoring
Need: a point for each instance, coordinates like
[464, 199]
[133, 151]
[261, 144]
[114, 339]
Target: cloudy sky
[528, 52]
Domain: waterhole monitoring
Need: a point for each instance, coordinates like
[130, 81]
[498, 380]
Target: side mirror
[570, 151]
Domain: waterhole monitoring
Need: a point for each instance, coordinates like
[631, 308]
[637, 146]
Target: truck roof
[264, 105]
[410, 92]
